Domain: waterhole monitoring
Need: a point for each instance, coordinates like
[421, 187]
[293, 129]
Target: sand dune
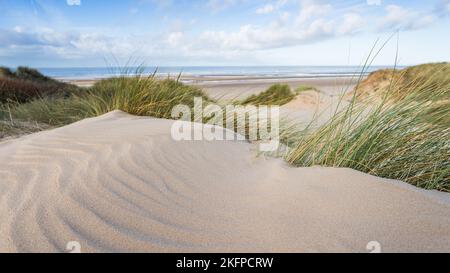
[312, 106]
[119, 183]
[242, 87]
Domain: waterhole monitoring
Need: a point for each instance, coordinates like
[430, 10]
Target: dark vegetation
[26, 84]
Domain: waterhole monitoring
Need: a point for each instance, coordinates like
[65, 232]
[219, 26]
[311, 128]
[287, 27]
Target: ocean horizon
[82, 73]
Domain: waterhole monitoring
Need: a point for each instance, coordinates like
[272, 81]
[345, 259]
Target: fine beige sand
[238, 88]
[119, 183]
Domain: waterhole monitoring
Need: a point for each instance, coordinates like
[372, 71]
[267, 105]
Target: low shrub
[27, 84]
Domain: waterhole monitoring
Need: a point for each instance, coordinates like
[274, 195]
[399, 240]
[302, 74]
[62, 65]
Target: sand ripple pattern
[119, 183]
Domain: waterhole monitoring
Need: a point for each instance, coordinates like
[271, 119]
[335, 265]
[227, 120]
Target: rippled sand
[119, 183]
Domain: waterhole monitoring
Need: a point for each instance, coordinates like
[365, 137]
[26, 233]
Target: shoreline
[216, 78]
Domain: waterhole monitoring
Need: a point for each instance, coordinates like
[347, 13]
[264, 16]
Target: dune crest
[119, 183]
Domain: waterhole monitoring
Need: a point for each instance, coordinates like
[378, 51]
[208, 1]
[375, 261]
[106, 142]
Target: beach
[242, 86]
[120, 183]
[322, 97]
[117, 182]
[213, 128]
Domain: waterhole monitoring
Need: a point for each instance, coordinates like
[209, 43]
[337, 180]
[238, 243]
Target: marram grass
[142, 96]
[277, 94]
[407, 139]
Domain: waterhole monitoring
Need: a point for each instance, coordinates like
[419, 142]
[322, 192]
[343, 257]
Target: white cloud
[399, 18]
[313, 21]
[442, 9]
[312, 9]
[265, 9]
[282, 20]
[175, 39]
[250, 37]
[74, 2]
[63, 44]
[352, 23]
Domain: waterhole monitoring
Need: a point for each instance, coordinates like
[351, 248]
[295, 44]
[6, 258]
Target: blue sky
[71, 33]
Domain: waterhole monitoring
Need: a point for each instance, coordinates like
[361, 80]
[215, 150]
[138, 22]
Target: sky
[89, 33]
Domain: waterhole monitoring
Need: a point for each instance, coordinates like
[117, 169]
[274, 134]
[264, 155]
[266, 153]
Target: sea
[84, 73]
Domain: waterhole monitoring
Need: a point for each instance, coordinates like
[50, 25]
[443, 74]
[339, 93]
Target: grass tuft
[141, 96]
[278, 94]
[406, 139]
[304, 88]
